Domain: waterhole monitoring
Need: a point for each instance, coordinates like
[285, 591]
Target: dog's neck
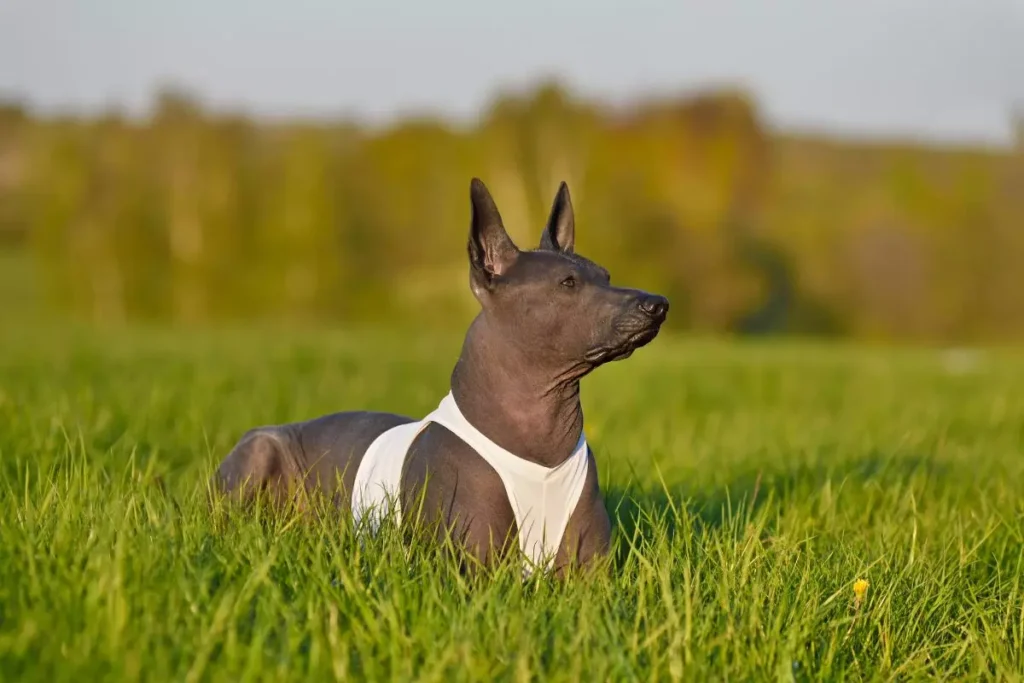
[515, 401]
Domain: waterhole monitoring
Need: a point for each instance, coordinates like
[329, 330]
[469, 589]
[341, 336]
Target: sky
[937, 69]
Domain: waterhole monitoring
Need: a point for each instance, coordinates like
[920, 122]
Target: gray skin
[548, 318]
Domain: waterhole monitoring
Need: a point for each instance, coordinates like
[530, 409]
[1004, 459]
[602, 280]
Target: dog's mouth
[644, 337]
[625, 349]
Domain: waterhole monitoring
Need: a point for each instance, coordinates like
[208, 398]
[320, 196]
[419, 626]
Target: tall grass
[749, 486]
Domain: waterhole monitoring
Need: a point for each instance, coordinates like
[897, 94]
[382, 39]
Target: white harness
[542, 498]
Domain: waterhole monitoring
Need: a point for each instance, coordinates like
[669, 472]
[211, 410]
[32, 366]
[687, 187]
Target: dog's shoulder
[447, 480]
[588, 532]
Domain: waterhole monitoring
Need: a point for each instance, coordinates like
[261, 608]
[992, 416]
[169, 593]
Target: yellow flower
[860, 589]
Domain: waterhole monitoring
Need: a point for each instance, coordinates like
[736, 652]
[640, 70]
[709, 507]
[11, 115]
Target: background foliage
[192, 215]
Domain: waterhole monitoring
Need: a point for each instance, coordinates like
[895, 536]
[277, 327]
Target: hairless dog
[502, 464]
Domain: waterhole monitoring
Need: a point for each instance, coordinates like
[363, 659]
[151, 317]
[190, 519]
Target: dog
[502, 464]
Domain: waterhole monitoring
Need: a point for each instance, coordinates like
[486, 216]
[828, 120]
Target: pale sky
[946, 69]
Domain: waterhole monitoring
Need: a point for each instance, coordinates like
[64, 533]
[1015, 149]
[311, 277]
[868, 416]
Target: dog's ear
[560, 232]
[491, 250]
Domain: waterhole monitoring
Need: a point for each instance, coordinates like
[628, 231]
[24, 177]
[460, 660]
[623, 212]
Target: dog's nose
[654, 305]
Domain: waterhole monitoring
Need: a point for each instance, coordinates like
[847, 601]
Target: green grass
[749, 487]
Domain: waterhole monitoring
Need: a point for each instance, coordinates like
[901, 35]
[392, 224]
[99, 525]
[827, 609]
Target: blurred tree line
[193, 216]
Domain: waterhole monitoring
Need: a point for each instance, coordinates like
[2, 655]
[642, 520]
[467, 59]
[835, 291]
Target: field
[750, 487]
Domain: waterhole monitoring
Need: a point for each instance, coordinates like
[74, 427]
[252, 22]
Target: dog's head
[559, 305]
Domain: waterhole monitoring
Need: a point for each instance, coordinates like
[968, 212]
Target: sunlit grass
[751, 488]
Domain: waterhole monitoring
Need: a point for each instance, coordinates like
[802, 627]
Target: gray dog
[502, 463]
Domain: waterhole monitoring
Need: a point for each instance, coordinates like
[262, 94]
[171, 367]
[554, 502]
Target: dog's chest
[542, 499]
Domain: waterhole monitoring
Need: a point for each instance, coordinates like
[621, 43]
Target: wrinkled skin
[548, 317]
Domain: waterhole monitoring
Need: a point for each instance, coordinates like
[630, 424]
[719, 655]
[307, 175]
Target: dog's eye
[569, 281]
